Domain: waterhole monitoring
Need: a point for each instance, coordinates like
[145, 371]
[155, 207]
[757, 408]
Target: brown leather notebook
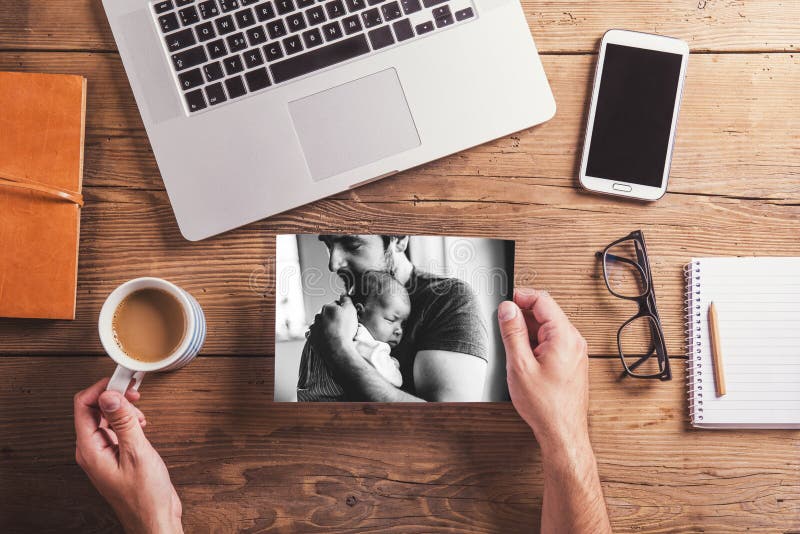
[41, 173]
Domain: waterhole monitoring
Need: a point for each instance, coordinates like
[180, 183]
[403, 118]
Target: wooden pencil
[716, 350]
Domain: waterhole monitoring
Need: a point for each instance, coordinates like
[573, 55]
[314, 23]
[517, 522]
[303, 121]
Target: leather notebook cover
[41, 172]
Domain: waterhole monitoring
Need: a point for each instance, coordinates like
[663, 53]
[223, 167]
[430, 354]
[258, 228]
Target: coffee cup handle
[122, 378]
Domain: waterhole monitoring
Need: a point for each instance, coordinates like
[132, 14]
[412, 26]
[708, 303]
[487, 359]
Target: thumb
[123, 420]
[519, 354]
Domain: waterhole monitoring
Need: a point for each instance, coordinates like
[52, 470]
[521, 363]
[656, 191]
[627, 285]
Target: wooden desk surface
[242, 463]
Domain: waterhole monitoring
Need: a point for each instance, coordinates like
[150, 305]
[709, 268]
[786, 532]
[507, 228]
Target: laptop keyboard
[224, 50]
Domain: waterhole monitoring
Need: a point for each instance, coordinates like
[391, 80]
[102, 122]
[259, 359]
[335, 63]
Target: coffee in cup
[149, 324]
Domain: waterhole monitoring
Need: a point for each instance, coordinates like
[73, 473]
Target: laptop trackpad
[354, 124]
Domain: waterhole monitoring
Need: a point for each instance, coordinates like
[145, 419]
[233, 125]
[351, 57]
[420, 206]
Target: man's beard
[350, 278]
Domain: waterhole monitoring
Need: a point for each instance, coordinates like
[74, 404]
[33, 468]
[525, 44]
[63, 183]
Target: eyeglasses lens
[621, 264]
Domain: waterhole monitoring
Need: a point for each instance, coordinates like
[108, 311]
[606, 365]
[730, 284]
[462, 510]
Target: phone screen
[633, 116]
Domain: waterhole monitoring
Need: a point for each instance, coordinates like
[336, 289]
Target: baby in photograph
[382, 304]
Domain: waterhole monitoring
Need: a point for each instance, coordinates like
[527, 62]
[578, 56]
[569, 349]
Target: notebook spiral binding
[694, 341]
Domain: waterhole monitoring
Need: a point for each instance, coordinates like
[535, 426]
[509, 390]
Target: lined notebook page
[758, 304]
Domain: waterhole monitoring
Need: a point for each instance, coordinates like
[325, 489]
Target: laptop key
[276, 29]
[228, 5]
[403, 30]
[253, 58]
[273, 51]
[195, 100]
[247, 2]
[205, 31]
[381, 37]
[302, 4]
[181, 39]
[425, 27]
[189, 15]
[190, 79]
[316, 15]
[233, 65]
[265, 11]
[391, 11]
[168, 22]
[335, 9]
[372, 17]
[162, 7]
[312, 38]
[225, 25]
[293, 44]
[355, 5]
[216, 94]
[375, 2]
[284, 6]
[216, 49]
[447, 20]
[257, 36]
[235, 87]
[296, 22]
[189, 58]
[410, 6]
[208, 9]
[257, 79]
[465, 14]
[332, 31]
[320, 58]
[431, 3]
[181, 3]
[236, 42]
[213, 71]
[245, 18]
[352, 24]
[440, 12]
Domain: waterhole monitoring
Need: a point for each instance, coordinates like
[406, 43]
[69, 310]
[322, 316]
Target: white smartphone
[630, 130]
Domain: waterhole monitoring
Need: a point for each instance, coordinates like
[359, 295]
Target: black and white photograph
[390, 318]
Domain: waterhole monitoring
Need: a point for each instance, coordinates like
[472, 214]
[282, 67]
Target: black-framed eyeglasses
[640, 339]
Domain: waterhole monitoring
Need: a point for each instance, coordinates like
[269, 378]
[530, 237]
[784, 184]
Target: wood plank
[241, 462]
[128, 233]
[558, 26]
[739, 131]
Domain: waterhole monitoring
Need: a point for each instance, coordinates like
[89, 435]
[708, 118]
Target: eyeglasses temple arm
[618, 258]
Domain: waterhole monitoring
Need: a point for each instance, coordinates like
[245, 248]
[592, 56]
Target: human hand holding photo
[548, 380]
[121, 463]
[547, 364]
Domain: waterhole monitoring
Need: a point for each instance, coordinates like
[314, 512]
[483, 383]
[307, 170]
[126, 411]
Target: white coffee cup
[130, 369]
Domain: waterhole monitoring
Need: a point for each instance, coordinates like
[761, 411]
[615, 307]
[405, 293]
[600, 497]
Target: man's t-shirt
[445, 315]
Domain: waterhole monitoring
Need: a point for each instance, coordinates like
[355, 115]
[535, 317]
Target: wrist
[562, 452]
[341, 344]
[565, 443]
[168, 522]
[172, 525]
[167, 525]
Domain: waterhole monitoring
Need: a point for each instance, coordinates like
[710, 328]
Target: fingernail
[109, 403]
[526, 291]
[506, 311]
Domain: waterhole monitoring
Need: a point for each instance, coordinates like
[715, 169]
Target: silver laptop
[254, 107]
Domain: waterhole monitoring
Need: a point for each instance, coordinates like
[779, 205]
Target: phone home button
[622, 187]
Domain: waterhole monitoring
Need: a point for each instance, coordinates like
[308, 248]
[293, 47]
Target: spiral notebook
[758, 304]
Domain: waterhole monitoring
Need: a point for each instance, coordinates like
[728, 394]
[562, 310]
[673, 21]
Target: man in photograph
[443, 353]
